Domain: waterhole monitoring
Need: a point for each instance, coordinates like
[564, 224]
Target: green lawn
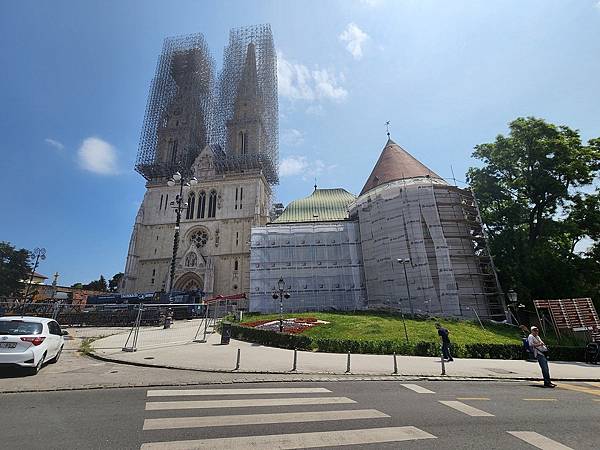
[381, 326]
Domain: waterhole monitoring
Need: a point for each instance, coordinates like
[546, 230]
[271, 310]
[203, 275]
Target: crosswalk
[170, 403]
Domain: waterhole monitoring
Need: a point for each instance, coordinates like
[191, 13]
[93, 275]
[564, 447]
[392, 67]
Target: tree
[77, 286]
[532, 195]
[97, 285]
[14, 267]
[115, 281]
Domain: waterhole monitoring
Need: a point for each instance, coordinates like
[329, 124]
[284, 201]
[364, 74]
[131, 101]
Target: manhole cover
[501, 371]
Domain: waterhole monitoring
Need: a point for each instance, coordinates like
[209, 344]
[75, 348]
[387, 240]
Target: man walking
[443, 333]
[539, 353]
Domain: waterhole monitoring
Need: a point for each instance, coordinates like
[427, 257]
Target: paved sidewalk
[174, 349]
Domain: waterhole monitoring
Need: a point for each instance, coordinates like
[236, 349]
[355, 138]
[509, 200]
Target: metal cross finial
[315, 183]
[387, 127]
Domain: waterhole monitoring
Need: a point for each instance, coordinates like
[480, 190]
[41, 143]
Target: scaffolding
[183, 86]
[230, 79]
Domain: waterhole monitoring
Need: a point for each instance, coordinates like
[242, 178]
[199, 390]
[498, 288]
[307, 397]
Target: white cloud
[315, 110]
[54, 143]
[299, 165]
[298, 82]
[598, 4]
[354, 38]
[292, 137]
[98, 156]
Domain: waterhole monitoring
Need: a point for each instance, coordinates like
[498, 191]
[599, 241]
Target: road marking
[256, 419]
[539, 441]
[155, 406]
[472, 398]
[464, 408]
[540, 399]
[262, 391]
[417, 388]
[573, 387]
[298, 440]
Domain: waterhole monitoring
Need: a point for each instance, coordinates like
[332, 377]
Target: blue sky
[74, 79]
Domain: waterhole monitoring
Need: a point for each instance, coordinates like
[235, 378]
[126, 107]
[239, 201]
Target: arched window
[212, 203]
[201, 205]
[174, 151]
[189, 213]
[235, 265]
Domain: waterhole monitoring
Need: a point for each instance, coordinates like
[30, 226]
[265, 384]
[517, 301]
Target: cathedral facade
[221, 137]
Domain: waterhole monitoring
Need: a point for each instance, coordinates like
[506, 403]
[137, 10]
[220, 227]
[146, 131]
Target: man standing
[539, 353]
[443, 333]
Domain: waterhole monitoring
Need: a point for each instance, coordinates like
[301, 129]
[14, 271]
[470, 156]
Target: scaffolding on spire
[183, 86]
[230, 82]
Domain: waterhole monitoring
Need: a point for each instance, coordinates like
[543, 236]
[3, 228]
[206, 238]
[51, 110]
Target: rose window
[199, 238]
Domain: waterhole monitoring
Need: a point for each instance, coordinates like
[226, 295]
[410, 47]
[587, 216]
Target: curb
[345, 377]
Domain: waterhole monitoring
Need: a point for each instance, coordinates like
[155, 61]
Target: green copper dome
[321, 206]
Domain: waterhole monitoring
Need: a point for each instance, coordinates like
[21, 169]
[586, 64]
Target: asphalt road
[388, 414]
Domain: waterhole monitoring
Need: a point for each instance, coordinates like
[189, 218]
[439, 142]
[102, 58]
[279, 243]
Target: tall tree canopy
[113, 284]
[14, 267]
[536, 194]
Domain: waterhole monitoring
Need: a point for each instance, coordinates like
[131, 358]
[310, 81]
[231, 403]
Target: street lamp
[38, 253]
[404, 323]
[281, 295]
[404, 262]
[178, 205]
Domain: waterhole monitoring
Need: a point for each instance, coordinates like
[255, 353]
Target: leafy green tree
[532, 195]
[97, 285]
[14, 267]
[113, 284]
[77, 286]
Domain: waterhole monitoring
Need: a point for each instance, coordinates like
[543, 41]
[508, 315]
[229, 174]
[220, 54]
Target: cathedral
[408, 242]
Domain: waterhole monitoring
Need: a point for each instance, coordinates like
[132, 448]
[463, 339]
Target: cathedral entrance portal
[189, 282]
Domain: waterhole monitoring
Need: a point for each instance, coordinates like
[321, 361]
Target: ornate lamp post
[39, 253]
[281, 295]
[178, 205]
[404, 262]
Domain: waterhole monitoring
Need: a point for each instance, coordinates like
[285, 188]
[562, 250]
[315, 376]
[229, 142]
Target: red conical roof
[393, 164]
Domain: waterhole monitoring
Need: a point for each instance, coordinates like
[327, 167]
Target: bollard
[395, 364]
[348, 364]
[295, 359]
[237, 362]
[443, 365]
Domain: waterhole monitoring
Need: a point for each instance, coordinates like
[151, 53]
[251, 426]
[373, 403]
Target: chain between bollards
[348, 364]
[237, 362]
[295, 359]
[395, 364]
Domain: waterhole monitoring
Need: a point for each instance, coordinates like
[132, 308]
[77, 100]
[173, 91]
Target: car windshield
[19, 327]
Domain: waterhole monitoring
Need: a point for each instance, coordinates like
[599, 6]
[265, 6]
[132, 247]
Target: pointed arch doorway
[189, 282]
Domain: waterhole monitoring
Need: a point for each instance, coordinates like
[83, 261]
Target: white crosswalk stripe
[257, 419]
[257, 391]
[464, 408]
[538, 440]
[418, 389]
[359, 436]
[298, 440]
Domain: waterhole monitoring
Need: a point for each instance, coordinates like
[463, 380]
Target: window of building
[237, 238]
[241, 196]
[212, 204]
[236, 197]
[201, 205]
[235, 265]
[161, 201]
[199, 238]
[189, 213]
[153, 272]
[242, 142]
[174, 151]
[166, 201]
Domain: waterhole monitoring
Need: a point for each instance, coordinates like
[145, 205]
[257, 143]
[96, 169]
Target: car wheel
[38, 367]
[56, 358]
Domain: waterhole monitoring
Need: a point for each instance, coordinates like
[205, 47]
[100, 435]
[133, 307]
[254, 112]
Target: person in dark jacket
[443, 333]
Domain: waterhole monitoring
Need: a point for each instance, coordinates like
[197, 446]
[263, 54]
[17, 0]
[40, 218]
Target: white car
[30, 341]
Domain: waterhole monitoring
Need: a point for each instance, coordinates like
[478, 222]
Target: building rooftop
[393, 164]
[321, 206]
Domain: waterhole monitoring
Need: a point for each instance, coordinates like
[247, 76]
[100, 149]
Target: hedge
[387, 347]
